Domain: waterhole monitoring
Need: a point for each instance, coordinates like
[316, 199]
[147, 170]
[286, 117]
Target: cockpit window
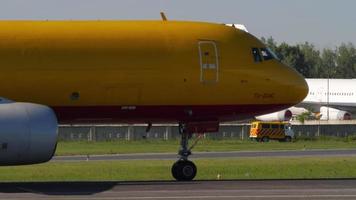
[256, 55]
[267, 54]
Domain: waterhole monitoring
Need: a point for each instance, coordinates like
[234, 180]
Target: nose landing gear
[184, 169]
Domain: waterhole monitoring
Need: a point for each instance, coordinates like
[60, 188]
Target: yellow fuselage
[142, 71]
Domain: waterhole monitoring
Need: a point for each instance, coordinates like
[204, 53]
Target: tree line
[339, 62]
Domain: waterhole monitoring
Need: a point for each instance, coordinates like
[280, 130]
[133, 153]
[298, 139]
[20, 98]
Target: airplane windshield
[263, 54]
[268, 54]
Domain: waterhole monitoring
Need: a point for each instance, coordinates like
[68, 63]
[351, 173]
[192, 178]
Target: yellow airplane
[192, 73]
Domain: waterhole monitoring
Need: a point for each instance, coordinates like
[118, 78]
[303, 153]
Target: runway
[234, 189]
[201, 155]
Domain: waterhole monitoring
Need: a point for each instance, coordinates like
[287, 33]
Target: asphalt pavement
[234, 189]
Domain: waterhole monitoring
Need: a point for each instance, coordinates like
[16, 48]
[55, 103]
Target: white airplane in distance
[339, 95]
[333, 99]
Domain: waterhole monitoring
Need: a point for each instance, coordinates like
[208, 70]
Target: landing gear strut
[183, 169]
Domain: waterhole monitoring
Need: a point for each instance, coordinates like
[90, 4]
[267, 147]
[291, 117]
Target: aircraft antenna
[164, 18]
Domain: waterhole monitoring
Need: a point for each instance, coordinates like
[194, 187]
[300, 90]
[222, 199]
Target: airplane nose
[298, 87]
[292, 87]
[301, 89]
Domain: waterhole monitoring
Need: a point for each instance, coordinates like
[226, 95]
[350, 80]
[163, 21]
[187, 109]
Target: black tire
[265, 139]
[175, 172]
[184, 170]
[288, 139]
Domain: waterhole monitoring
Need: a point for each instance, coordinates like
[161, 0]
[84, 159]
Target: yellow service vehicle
[264, 131]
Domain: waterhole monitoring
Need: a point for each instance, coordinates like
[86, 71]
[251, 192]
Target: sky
[325, 23]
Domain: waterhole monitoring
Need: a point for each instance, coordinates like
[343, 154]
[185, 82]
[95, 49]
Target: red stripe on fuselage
[160, 114]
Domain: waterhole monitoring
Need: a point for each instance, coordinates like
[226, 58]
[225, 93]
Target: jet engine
[334, 114]
[284, 115]
[28, 133]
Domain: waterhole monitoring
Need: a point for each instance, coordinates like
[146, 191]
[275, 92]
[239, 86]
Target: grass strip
[160, 146]
[208, 169]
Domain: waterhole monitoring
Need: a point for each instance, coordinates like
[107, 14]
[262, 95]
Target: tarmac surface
[200, 155]
[234, 189]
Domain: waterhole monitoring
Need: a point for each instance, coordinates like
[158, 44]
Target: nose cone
[298, 87]
[290, 86]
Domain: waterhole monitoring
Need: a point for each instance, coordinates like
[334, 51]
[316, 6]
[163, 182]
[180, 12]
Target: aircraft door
[209, 62]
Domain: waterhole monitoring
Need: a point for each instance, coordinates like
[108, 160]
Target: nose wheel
[184, 169]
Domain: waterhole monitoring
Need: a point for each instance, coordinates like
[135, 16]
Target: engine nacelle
[334, 114]
[28, 133]
[284, 115]
[297, 110]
